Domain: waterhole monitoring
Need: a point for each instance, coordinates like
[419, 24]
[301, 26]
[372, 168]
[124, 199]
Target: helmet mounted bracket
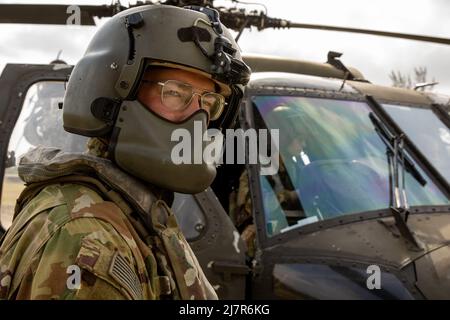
[225, 67]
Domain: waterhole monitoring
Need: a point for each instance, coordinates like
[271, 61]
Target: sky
[374, 56]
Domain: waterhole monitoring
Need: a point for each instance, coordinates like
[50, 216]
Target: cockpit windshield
[427, 131]
[332, 163]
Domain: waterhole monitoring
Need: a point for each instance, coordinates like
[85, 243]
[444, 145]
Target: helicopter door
[215, 241]
[30, 95]
[30, 116]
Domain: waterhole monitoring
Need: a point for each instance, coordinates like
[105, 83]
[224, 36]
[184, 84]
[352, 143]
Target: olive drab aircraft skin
[359, 207]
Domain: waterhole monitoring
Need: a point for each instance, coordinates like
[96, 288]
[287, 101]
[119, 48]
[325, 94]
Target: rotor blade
[372, 32]
[51, 14]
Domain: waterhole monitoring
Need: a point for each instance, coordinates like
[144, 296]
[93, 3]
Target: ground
[12, 186]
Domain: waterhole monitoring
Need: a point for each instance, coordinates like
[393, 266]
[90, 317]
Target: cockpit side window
[427, 131]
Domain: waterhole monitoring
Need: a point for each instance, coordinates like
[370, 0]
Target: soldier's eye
[173, 93]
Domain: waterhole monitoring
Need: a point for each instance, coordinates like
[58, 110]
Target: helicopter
[363, 187]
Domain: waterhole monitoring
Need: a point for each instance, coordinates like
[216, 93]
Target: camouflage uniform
[240, 204]
[240, 210]
[78, 219]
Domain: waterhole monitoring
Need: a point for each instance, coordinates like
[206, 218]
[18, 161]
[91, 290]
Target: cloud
[374, 56]
[40, 44]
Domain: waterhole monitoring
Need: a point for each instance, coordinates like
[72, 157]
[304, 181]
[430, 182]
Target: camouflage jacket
[75, 237]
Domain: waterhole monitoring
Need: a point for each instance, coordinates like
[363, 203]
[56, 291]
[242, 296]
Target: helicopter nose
[433, 274]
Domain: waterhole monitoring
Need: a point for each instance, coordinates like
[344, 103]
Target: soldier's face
[296, 146]
[149, 93]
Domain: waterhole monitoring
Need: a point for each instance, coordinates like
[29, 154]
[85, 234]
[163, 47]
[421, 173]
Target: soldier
[98, 225]
[283, 183]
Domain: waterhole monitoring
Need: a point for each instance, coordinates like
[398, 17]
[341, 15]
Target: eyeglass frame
[162, 84]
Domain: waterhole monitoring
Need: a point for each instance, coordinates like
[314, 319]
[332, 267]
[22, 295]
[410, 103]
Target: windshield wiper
[396, 155]
[390, 140]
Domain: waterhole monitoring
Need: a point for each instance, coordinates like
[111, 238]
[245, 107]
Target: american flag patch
[122, 272]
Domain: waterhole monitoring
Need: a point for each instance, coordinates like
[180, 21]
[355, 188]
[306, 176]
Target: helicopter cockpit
[334, 159]
[334, 162]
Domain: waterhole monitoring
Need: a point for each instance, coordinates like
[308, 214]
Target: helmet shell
[124, 46]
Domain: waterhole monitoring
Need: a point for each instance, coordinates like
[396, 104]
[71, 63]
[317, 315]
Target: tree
[404, 80]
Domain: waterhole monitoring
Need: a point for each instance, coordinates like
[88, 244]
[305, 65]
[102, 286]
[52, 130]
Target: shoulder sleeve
[67, 244]
[85, 259]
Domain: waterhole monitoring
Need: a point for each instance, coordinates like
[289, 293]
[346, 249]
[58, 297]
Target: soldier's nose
[195, 103]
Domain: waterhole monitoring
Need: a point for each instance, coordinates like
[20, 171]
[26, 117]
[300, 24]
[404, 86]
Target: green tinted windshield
[332, 163]
[427, 132]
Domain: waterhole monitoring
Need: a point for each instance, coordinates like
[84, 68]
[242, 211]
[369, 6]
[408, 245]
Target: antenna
[421, 85]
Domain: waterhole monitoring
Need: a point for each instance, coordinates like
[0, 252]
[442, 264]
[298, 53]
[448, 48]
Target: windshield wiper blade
[389, 141]
[395, 147]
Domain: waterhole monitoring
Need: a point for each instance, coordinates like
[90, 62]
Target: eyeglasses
[177, 96]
